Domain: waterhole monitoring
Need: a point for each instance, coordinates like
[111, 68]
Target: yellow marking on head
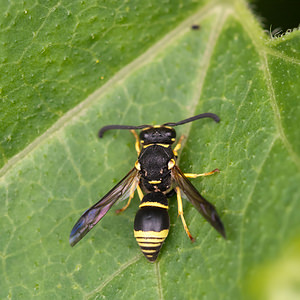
[146, 128]
[154, 181]
[157, 126]
[137, 165]
[150, 245]
[171, 164]
[142, 141]
[155, 204]
[149, 234]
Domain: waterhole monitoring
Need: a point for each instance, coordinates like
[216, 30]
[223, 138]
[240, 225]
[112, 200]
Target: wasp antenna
[109, 127]
[201, 116]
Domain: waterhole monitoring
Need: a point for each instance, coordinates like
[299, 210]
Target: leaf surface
[228, 67]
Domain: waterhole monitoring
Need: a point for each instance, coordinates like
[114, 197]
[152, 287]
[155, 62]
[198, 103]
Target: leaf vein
[113, 275]
[247, 203]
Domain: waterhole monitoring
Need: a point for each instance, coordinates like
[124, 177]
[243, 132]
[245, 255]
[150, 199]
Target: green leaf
[228, 67]
[54, 54]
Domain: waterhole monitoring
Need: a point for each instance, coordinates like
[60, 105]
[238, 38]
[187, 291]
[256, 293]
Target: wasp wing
[95, 213]
[207, 210]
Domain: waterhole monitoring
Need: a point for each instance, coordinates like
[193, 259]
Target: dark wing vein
[95, 213]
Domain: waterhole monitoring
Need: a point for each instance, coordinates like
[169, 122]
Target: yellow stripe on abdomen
[151, 234]
[150, 242]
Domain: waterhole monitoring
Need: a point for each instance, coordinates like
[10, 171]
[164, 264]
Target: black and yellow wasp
[156, 174]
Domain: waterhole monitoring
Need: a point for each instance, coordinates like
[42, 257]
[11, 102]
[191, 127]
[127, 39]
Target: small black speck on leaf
[195, 27]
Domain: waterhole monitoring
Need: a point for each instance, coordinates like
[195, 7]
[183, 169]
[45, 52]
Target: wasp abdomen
[151, 224]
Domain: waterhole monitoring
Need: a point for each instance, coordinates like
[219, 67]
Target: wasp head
[158, 134]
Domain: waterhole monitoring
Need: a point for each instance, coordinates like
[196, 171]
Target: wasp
[156, 174]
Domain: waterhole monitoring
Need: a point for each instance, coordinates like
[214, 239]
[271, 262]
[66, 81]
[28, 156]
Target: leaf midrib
[216, 30]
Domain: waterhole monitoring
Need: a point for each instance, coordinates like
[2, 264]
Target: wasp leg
[192, 175]
[137, 142]
[124, 207]
[178, 146]
[140, 193]
[132, 189]
[180, 213]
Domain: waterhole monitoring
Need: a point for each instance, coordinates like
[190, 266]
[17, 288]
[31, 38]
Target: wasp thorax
[159, 134]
